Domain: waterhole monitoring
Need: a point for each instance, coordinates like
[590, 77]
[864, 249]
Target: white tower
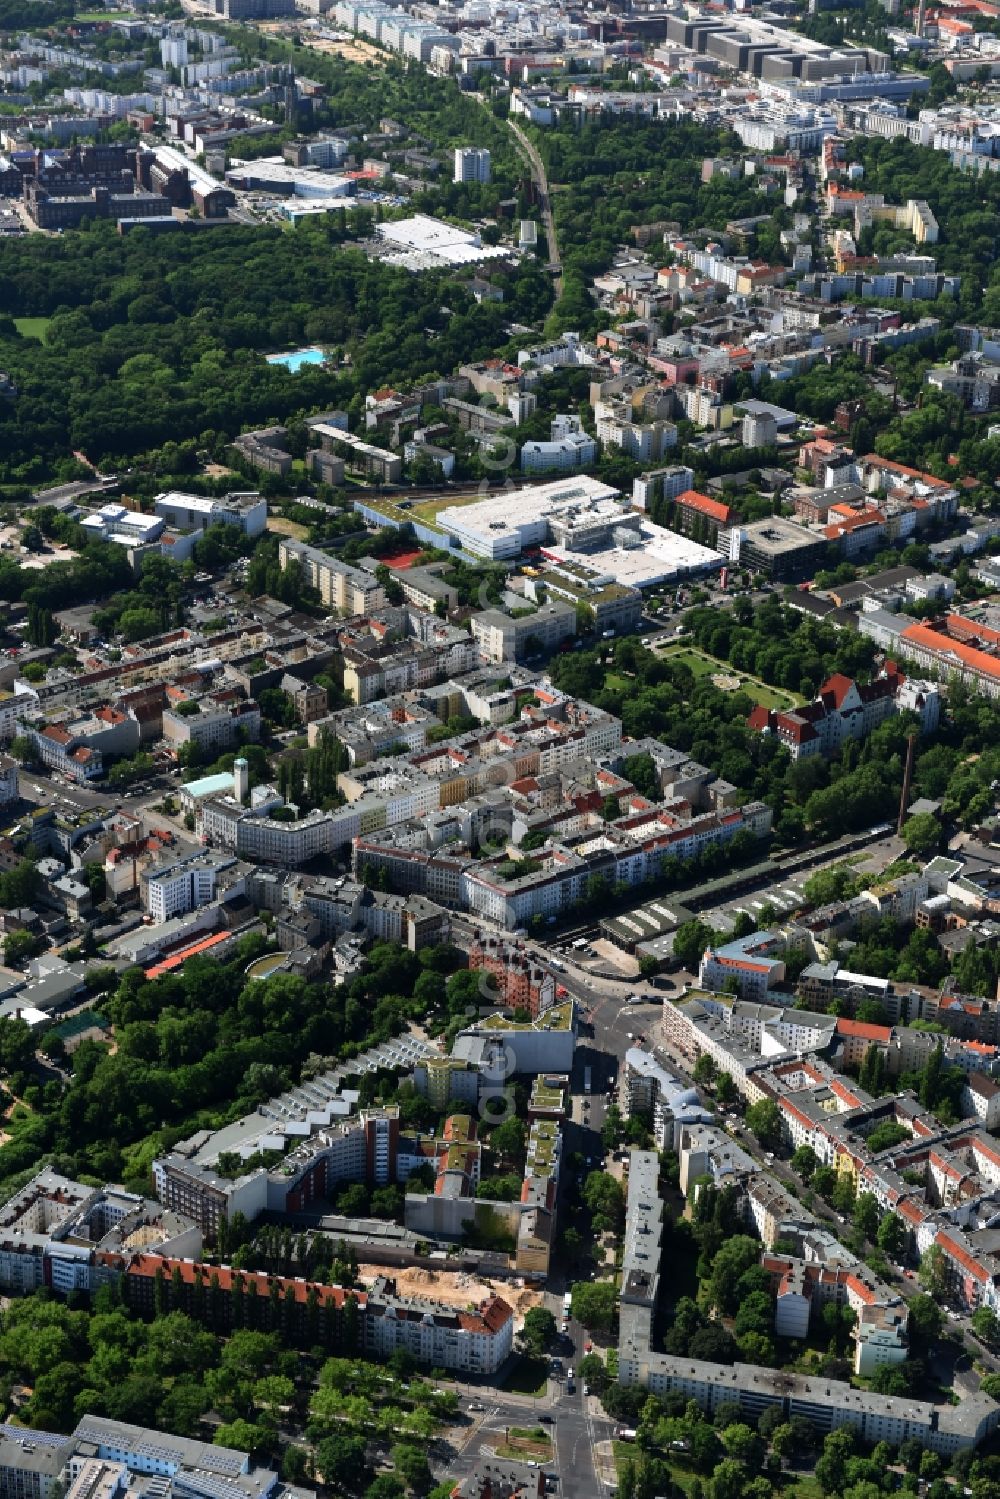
[241, 779]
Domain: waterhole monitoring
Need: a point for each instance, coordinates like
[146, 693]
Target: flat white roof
[178, 501]
[423, 243]
[421, 232]
[509, 512]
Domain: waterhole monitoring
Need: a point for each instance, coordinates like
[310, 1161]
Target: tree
[926, 1321]
[824, 1181]
[592, 1371]
[866, 1215]
[933, 1272]
[704, 1069]
[539, 1329]
[990, 1385]
[743, 1443]
[411, 1465]
[725, 1090]
[19, 946]
[922, 834]
[986, 1326]
[22, 747]
[733, 1259]
[843, 1192]
[911, 1453]
[804, 1162]
[764, 1121]
[340, 1459]
[272, 1392]
[594, 1304]
[604, 1197]
[728, 1479]
[245, 1435]
[385, 1486]
[690, 941]
[507, 1140]
[891, 1236]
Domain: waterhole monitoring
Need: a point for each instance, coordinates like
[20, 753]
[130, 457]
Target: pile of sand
[453, 1288]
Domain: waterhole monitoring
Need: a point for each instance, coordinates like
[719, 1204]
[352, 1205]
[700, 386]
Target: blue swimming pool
[298, 359]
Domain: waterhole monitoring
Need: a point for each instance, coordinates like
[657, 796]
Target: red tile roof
[691, 499]
[256, 1282]
[862, 1031]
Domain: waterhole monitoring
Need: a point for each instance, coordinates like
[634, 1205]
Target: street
[577, 1427]
[71, 799]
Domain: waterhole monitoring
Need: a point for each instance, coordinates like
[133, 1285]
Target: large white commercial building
[422, 243]
[580, 519]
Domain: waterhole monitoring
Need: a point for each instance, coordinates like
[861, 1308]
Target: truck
[567, 1304]
[586, 1080]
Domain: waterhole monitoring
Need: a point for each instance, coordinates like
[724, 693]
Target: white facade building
[472, 164]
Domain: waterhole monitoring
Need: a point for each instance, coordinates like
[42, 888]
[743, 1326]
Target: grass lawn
[789, 1485]
[285, 527]
[33, 327]
[428, 509]
[530, 1376]
[703, 665]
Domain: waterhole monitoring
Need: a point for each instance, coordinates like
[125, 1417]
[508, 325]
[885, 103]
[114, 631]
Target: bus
[586, 1080]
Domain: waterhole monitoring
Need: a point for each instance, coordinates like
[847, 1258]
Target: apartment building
[619, 855]
[696, 511]
[748, 965]
[325, 1147]
[661, 483]
[568, 449]
[520, 982]
[396, 650]
[74, 744]
[295, 1305]
[253, 835]
[499, 637]
[8, 780]
[827, 1403]
[33, 1470]
[181, 885]
[218, 721]
[475, 1342]
[343, 588]
[472, 164]
[379, 464]
[981, 1098]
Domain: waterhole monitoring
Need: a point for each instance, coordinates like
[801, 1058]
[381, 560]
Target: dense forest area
[157, 339]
